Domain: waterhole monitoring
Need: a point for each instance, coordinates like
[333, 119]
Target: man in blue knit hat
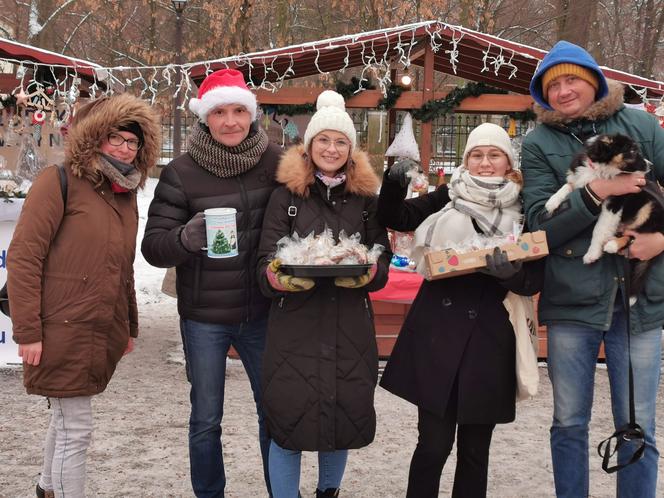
[582, 304]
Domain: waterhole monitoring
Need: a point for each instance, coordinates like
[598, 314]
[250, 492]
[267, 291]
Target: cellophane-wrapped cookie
[323, 249]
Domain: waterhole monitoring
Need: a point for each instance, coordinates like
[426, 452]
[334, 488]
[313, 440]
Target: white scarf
[493, 202]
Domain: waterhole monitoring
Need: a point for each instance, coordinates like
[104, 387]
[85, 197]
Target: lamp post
[178, 6]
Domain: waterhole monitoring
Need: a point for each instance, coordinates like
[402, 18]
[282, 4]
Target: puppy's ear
[599, 150]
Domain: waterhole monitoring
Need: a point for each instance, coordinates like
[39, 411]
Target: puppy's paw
[551, 205]
[590, 257]
[611, 246]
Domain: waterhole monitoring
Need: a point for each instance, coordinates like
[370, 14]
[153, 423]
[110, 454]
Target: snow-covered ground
[139, 448]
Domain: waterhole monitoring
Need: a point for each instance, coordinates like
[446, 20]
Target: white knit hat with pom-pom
[330, 115]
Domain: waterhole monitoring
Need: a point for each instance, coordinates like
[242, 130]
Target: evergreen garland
[428, 112]
[523, 116]
[434, 108]
[390, 100]
[347, 90]
[289, 109]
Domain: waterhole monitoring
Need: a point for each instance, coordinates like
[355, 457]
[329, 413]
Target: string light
[149, 81]
[454, 51]
[406, 80]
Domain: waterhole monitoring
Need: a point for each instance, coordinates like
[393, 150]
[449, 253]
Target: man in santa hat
[229, 164]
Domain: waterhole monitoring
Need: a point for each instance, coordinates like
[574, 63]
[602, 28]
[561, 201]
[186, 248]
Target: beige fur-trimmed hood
[97, 119]
[294, 172]
[601, 109]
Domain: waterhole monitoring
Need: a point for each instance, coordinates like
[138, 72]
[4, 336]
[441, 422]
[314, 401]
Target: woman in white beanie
[321, 362]
[455, 355]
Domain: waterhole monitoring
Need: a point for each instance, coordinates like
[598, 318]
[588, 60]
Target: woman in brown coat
[70, 275]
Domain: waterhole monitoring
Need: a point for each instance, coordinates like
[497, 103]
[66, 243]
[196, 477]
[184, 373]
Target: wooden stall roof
[458, 51]
[19, 52]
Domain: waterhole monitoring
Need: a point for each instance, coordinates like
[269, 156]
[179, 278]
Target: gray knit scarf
[222, 161]
[122, 174]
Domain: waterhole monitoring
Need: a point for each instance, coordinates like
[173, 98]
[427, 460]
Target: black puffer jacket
[210, 290]
[321, 362]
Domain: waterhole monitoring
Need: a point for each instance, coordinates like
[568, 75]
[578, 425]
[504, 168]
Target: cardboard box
[449, 263]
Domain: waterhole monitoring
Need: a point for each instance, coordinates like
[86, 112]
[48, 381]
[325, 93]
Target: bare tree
[624, 34]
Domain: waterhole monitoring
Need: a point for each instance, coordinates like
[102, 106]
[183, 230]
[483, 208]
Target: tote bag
[522, 314]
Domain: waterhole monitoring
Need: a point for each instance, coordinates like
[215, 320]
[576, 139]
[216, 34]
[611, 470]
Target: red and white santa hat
[225, 86]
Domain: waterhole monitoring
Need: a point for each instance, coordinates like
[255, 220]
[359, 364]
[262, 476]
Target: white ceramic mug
[221, 231]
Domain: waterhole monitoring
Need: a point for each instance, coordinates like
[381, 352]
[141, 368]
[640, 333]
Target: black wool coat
[320, 364]
[457, 330]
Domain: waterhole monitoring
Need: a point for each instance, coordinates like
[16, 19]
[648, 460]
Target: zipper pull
[366, 304]
[328, 192]
[281, 302]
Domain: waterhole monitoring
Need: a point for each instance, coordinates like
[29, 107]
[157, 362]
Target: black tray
[325, 270]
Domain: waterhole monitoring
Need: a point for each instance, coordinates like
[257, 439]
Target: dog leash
[632, 432]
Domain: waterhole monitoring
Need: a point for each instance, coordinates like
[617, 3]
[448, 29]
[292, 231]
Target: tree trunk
[575, 19]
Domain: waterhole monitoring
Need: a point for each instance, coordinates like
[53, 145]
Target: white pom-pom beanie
[330, 115]
[489, 134]
[225, 86]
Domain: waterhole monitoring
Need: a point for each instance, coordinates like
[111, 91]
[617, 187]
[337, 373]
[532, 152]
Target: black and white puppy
[607, 156]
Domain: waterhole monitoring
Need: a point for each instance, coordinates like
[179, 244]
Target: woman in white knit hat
[321, 363]
[455, 355]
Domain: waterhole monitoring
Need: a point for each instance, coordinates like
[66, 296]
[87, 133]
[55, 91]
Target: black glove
[193, 236]
[398, 171]
[497, 265]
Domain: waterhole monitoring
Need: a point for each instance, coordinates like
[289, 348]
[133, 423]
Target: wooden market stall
[433, 46]
[21, 82]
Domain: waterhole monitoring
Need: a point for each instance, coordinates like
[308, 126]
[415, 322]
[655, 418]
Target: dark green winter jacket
[573, 291]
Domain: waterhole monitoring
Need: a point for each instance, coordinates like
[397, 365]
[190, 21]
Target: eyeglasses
[493, 157]
[117, 140]
[324, 143]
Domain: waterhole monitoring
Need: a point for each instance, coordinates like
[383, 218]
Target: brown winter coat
[321, 363]
[70, 273]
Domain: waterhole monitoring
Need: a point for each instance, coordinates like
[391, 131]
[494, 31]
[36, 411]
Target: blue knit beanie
[566, 52]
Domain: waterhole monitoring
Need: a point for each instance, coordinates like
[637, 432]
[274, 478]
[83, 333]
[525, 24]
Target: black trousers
[434, 443]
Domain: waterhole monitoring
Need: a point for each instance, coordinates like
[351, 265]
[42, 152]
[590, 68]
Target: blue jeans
[572, 355]
[206, 346]
[285, 470]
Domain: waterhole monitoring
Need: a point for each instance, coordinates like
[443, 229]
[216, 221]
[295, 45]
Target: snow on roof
[10, 49]
[457, 50]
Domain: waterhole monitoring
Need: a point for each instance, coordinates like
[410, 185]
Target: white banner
[8, 348]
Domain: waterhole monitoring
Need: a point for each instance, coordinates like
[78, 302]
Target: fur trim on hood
[294, 172]
[98, 118]
[601, 109]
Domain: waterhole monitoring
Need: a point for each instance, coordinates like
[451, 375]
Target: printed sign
[8, 348]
